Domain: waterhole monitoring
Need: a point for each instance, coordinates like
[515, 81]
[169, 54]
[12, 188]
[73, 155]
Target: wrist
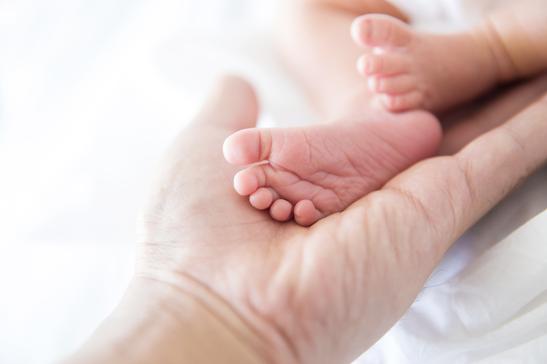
[158, 322]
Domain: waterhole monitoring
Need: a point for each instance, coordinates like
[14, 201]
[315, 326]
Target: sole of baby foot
[307, 173]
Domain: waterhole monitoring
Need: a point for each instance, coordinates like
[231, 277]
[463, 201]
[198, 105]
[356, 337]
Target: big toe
[247, 146]
[378, 30]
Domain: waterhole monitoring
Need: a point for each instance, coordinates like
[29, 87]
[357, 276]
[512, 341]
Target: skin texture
[309, 173]
[312, 172]
[307, 33]
[478, 118]
[319, 170]
[218, 279]
[521, 29]
[410, 70]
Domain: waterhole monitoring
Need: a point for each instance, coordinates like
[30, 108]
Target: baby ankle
[506, 69]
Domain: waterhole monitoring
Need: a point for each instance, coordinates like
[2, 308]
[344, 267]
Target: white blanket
[91, 93]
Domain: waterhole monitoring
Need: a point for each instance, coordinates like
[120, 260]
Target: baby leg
[521, 32]
[409, 69]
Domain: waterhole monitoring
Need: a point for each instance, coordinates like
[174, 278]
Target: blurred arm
[314, 39]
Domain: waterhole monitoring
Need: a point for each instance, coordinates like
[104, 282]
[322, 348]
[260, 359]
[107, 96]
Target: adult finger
[396, 236]
[495, 163]
[454, 192]
[484, 116]
[198, 148]
[232, 105]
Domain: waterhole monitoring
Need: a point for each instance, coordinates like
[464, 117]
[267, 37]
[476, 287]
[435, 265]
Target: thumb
[392, 239]
[434, 202]
[455, 192]
[499, 161]
[231, 105]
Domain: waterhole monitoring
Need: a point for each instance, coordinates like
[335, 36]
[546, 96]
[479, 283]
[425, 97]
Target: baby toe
[408, 101]
[247, 146]
[378, 30]
[247, 181]
[263, 198]
[382, 64]
[305, 213]
[281, 210]
[393, 84]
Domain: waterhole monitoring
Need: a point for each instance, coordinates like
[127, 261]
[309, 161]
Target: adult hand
[465, 124]
[222, 282]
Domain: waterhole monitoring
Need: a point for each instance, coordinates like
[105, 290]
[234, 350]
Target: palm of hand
[297, 286]
[270, 268]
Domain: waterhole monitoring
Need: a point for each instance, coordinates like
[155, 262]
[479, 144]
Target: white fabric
[447, 15]
[487, 301]
[91, 93]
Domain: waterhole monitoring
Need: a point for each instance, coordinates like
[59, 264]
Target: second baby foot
[311, 172]
[410, 70]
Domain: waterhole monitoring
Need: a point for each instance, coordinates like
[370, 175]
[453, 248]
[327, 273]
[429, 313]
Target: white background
[91, 93]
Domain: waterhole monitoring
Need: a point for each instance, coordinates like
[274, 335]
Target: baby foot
[312, 172]
[410, 70]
